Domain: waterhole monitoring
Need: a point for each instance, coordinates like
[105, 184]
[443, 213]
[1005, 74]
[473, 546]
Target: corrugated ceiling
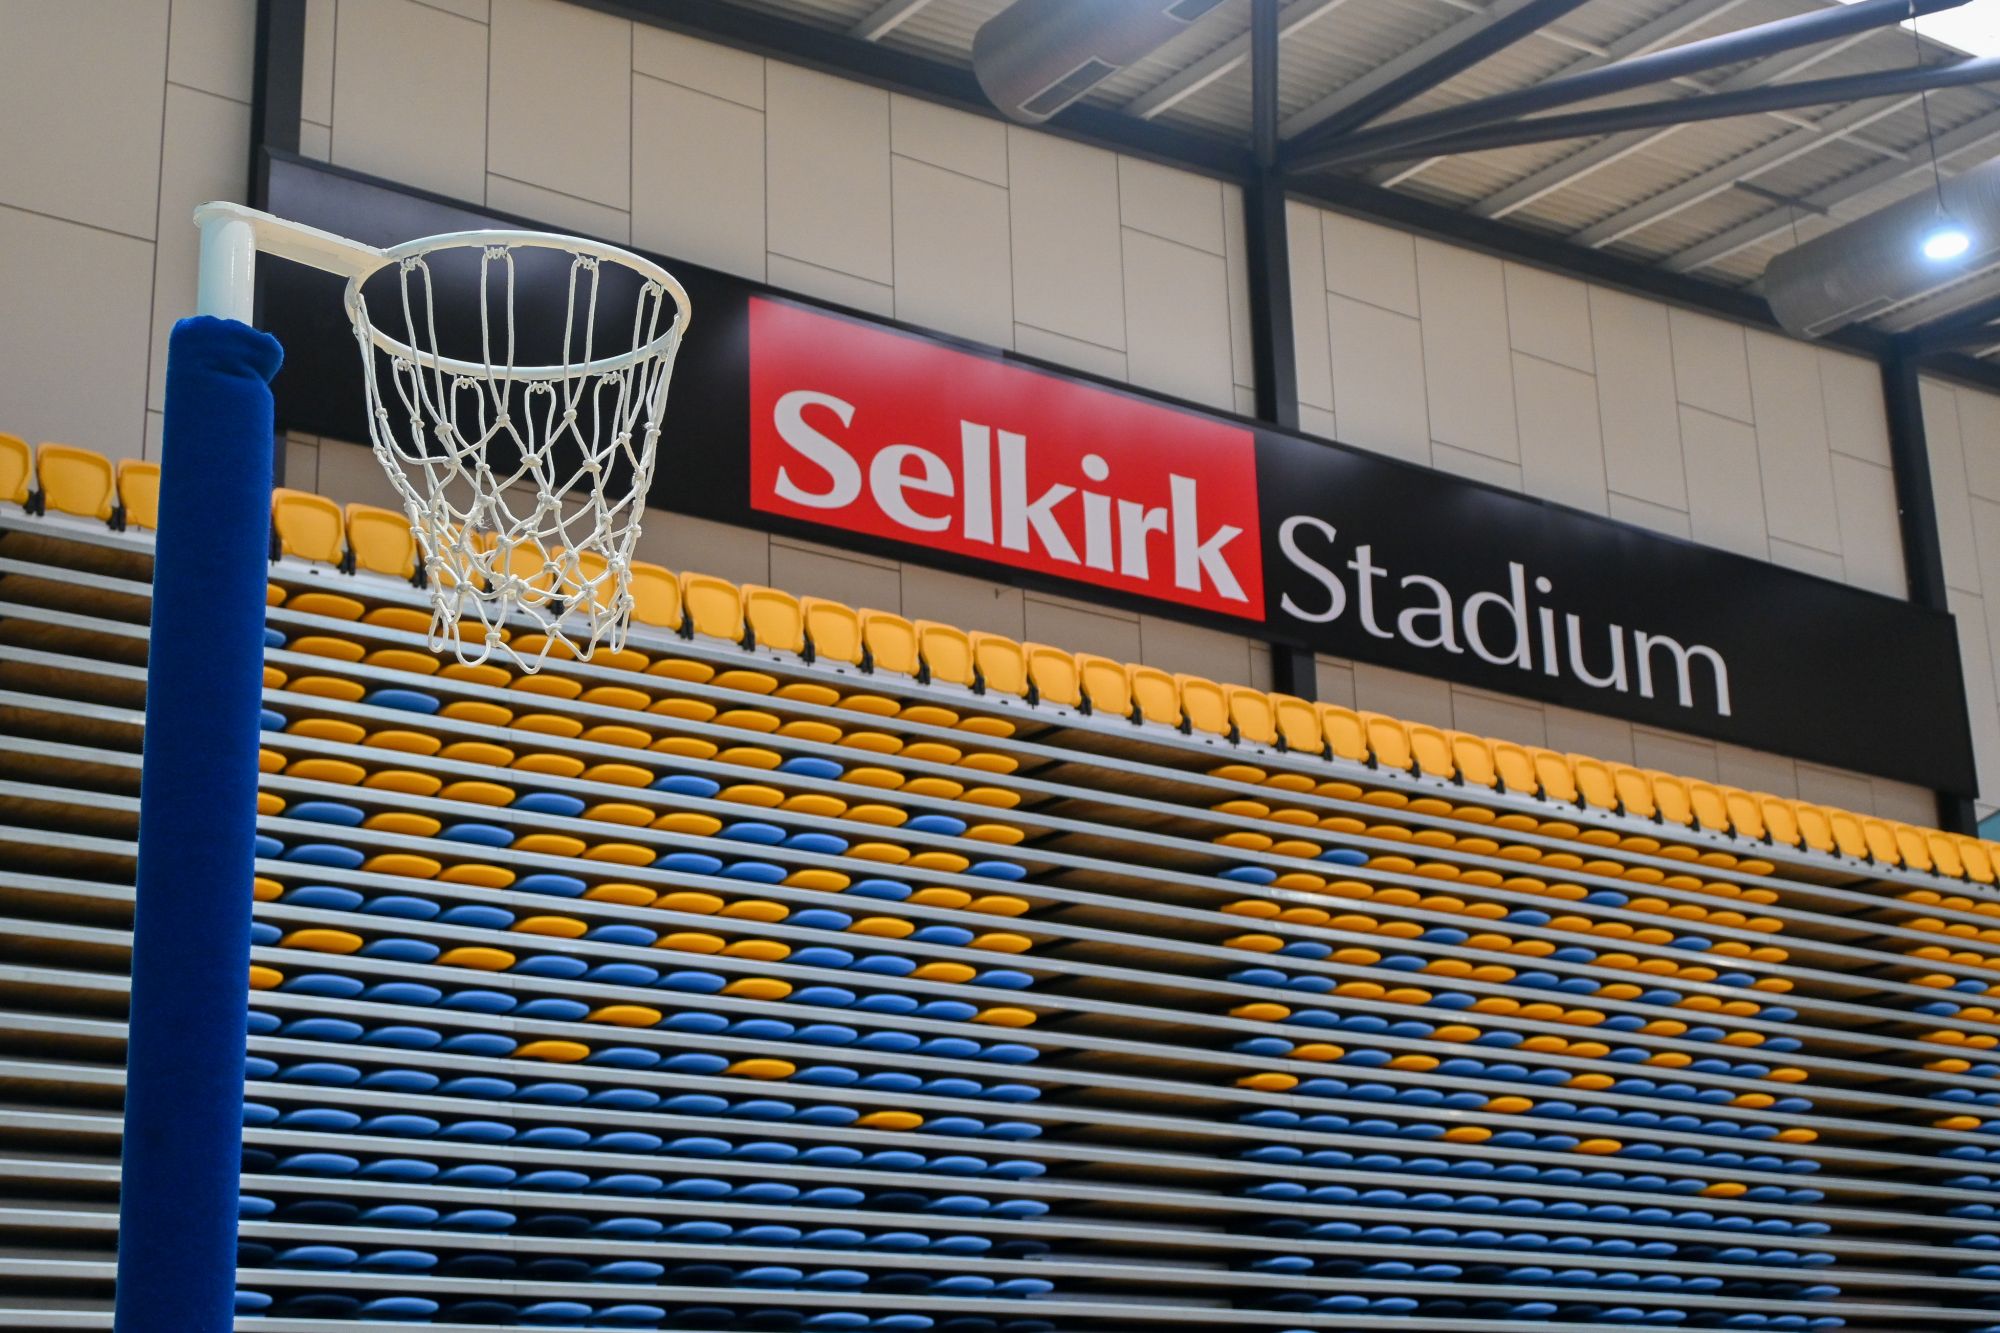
[1716, 199]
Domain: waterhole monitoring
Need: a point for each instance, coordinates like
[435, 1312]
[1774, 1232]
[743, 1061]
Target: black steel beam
[887, 67]
[1454, 58]
[1273, 349]
[1961, 328]
[277, 94]
[1732, 48]
[1917, 522]
[277, 84]
[1678, 111]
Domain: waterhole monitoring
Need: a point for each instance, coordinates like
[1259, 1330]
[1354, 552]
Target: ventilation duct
[1035, 57]
[1875, 263]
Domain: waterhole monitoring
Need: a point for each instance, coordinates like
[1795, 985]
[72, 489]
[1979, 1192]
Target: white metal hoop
[524, 485]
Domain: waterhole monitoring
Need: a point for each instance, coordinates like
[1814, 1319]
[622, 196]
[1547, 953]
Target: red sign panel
[870, 431]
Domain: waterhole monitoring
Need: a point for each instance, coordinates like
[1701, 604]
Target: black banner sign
[794, 417]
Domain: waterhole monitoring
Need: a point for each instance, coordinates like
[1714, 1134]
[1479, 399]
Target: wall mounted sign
[795, 417]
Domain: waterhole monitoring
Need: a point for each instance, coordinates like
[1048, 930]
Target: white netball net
[524, 484]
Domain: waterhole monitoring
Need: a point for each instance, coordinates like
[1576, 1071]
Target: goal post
[524, 481]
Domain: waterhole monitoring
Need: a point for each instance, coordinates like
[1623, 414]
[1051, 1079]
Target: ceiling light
[1945, 241]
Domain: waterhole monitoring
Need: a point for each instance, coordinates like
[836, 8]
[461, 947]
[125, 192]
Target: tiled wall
[120, 116]
[1083, 257]
[1678, 422]
[1963, 429]
[846, 192]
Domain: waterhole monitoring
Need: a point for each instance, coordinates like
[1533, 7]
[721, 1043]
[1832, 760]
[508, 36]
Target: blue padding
[807, 766]
[401, 950]
[561, 967]
[1249, 874]
[409, 701]
[401, 906]
[997, 870]
[620, 933]
[548, 803]
[552, 883]
[479, 835]
[327, 984]
[327, 812]
[882, 890]
[479, 1001]
[326, 897]
[267, 847]
[553, 1007]
[623, 974]
[885, 965]
[1006, 978]
[948, 825]
[756, 872]
[753, 831]
[825, 844]
[624, 1057]
[326, 854]
[477, 915]
[488, 1044]
[689, 863]
[695, 982]
[687, 784]
[821, 918]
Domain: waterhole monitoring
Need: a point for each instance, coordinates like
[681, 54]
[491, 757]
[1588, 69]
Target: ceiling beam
[1851, 88]
[1974, 134]
[886, 66]
[1707, 184]
[1421, 68]
[1565, 171]
[1732, 48]
[886, 17]
[1222, 61]
[1666, 28]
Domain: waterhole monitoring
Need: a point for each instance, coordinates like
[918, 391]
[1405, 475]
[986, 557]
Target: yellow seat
[1635, 791]
[1711, 807]
[1345, 734]
[1973, 854]
[1780, 820]
[75, 481]
[1297, 724]
[1746, 813]
[891, 642]
[1670, 798]
[1881, 839]
[1388, 741]
[1053, 673]
[381, 541]
[1432, 750]
[1516, 767]
[309, 526]
[774, 618]
[138, 490]
[1474, 759]
[656, 596]
[1848, 837]
[1156, 695]
[1001, 664]
[17, 469]
[1594, 781]
[946, 651]
[713, 606]
[1252, 712]
[1205, 704]
[1939, 847]
[1815, 828]
[1553, 773]
[834, 628]
[1105, 683]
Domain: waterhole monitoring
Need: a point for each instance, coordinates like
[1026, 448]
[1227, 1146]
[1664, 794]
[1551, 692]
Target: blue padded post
[197, 825]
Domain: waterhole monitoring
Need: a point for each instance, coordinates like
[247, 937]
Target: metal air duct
[1855, 272]
[1035, 57]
